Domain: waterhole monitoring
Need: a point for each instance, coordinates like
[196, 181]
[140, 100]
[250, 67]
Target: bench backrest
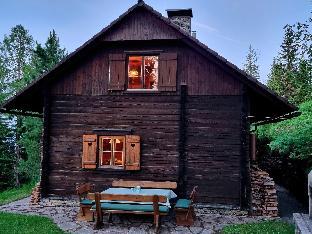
[145, 184]
[115, 197]
[133, 198]
[193, 194]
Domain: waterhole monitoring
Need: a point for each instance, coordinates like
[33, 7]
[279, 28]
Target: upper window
[143, 72]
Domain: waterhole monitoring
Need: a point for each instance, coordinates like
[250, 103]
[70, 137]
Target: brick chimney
[181, 18]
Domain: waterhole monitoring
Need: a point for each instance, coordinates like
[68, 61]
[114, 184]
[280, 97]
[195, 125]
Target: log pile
[263, 194]
[35, 195]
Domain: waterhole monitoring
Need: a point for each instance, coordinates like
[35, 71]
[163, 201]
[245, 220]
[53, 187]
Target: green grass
[14, 194]
[263, 227]
[26, 224]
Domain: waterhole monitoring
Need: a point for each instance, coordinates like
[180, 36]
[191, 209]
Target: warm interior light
[133, 73]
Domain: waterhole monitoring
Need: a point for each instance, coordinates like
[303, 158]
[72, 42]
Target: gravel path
[64, 212]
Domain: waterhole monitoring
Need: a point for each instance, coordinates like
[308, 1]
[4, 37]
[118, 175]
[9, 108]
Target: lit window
[143, 72]
[112, 151]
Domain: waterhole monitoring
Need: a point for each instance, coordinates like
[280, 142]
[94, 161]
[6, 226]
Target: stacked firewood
[263, 194]
[35, 195]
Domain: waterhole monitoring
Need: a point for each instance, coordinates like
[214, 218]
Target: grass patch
[263, 227]
[26, 224]
[14, 194]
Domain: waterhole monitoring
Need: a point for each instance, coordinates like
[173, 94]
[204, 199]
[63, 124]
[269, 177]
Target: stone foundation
[263, 193]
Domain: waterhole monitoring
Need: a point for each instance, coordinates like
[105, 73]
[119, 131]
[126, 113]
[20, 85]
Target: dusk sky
[226, 26]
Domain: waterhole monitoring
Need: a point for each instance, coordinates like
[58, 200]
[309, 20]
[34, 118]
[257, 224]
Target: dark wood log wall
[141, 25]
[155, 119]
[213, 147]
[90, 75]
[81, 102]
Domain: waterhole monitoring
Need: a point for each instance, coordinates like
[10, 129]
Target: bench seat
[130, 207]
[183, 204]
[87, 202]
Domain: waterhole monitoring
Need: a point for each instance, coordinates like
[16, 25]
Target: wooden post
[253, 146]
[156, 212]
[182, 142]
[245, 189]
[45, 145]
[99, 216]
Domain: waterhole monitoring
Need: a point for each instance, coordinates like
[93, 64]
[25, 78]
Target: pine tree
[250, 66]
[6, 139]
[291, 71]
[43, 59]
[15, 53]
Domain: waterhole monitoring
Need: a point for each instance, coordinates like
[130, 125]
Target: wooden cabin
[145, 100]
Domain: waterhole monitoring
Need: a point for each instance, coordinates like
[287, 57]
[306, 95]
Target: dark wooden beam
[245, 190]
[182, 141]
[45, 147]
[115, 130]
[278, 119]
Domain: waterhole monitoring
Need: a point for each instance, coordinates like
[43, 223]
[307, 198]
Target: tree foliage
[293, 137]
[291, 77]
[42, 60]
[20, 63]
[291, 71]
[15, 53]
[250, 66]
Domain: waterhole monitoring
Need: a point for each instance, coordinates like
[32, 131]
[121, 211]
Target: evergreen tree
[43, 59]
[250, 66]
[6, 139]
[15, 53]
[291, 71]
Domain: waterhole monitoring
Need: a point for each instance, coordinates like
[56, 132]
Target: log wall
[154, 119]
[213, 148]
[90, 75]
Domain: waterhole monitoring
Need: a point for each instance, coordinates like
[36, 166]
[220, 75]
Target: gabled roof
[24, 98]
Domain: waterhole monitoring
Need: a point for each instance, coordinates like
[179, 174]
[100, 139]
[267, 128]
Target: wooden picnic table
[143, 191]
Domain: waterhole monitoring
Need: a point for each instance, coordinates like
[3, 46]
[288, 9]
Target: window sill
[104, 169]
[142, 91]
[111, 167]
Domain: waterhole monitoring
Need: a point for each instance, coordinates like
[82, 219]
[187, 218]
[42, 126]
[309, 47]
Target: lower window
[112, 151]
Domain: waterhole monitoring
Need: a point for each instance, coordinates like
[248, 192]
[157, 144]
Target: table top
[143, 191]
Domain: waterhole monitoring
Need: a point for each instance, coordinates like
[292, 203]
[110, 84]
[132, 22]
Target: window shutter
[117, 75]
[167, 72]
[89, 151]
[132, 153]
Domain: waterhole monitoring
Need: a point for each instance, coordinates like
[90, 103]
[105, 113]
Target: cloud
[214, 30]
[205, 26]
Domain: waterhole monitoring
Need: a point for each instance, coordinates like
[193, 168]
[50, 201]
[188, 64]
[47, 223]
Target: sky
[226, 26]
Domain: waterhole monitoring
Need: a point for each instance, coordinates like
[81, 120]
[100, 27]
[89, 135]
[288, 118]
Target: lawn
[14, 194]
[263, 227]
[26, 224]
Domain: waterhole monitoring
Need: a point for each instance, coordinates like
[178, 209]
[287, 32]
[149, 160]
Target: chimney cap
[180, 12]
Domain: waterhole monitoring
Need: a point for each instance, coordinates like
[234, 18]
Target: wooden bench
[145, 184]
[85, 204]
[128, 204]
